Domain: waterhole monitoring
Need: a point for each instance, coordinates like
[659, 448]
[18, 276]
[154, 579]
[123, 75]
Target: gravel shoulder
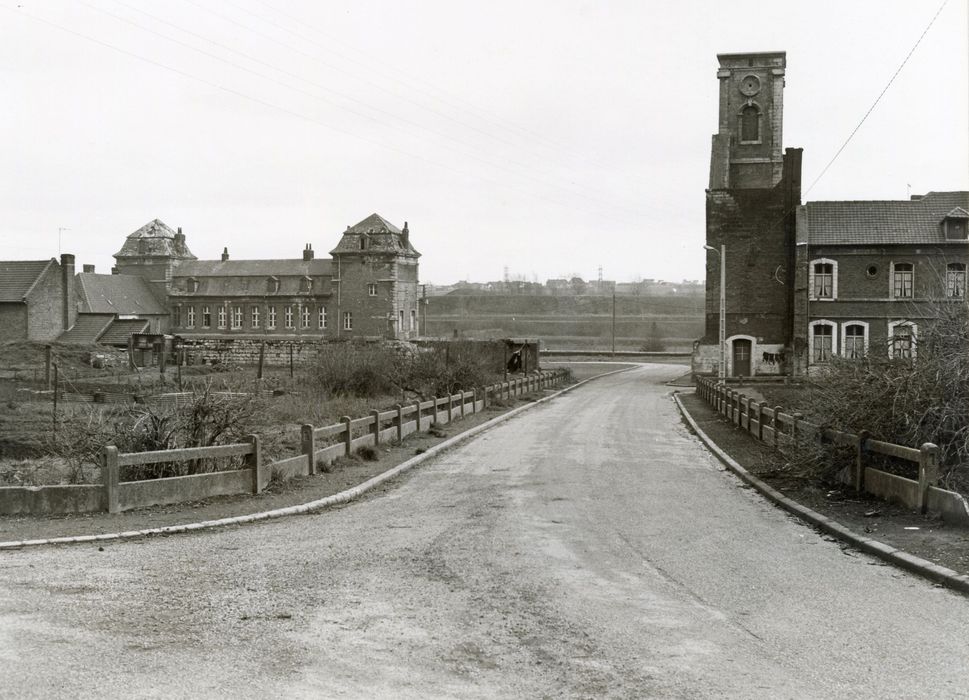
[924, 536]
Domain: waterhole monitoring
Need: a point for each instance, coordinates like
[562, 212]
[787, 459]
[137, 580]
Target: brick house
[368, 289]
[870, 273]
[807, 282]
[36, 298]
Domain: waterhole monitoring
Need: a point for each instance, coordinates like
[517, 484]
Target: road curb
[904, 560]
[312, 506]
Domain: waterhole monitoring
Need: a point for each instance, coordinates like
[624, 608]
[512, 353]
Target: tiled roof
[87, 328]
[883, 222]
[251, 277]
[116, 294]
[374, 223]
[380, 236]
[252, 268]
[154, 238]
[120, 330]
[18, 276]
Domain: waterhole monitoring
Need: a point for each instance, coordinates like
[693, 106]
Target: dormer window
[273, 284]
[192, 285]
[306, 285]
[956, 225]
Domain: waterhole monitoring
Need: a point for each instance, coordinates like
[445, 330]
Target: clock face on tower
[750, 85]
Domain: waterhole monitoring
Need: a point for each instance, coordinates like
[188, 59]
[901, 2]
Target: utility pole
[613, 323]
[723, 308]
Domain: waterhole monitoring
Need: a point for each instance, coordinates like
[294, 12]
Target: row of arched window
[824, 341]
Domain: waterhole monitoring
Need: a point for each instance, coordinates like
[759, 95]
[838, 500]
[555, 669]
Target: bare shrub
[210, 418]
[907, 401]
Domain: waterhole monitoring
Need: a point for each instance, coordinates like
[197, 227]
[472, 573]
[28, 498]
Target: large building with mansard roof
[368, 288]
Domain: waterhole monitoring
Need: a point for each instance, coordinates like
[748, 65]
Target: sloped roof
[250, 277]
[17, 277]
[120, 330]
[155, 238]
[374, 223]
[86, 329]
[887, 222]
[380, 236]
[252, 268]
[116, 294]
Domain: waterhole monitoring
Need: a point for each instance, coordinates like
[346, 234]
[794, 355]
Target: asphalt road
[588, 548]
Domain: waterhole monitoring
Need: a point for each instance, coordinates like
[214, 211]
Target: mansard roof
[116, 294]
[18, 277]
[374, 223]
[232, 278]
[376, 235]
[253, 268]
[889, 222]
[155, 239]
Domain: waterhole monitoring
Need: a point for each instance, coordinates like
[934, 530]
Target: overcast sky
[550, 137]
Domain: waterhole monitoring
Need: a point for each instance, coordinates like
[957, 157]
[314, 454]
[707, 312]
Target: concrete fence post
[750, 412]
[795, 436]
[474, 400]
[254, 462]
[928, 472]
[400, 423]
[450, 408]
[376, 427]
[347, 435]
[778, 427]
[741, 402]
[417, 414]
[434, 417]
[760, 420]
[307, 443]
[110, 476]
[858, 477]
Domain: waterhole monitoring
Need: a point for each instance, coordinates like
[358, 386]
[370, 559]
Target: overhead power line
[877, 99]
[607, 213]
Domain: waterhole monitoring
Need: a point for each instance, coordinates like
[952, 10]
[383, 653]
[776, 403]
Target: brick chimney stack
[225, 254]
[405, 235]
[179, 241]
[88, 269]
[308, 252]
[69, 307]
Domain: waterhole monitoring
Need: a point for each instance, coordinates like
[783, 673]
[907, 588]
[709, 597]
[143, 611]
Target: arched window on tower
[750, 124]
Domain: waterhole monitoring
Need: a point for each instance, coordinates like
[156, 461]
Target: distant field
[565, 323]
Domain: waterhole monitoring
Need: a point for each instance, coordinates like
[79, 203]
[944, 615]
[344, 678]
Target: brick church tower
[755, 186]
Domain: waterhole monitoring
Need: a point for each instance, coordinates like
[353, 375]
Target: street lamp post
[723, 308]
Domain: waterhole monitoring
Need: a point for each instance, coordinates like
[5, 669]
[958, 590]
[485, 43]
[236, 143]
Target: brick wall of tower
[757, 228]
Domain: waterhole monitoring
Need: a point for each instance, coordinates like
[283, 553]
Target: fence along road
[589, 548]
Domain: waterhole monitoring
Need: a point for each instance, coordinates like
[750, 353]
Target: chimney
[67, 290]
[179, 241]
[405, 235]
[114, 270]
[225, 254]
[308, 252]
[89, 269]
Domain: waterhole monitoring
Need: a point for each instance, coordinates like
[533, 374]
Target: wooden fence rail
[319, 447]
[778, 428]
